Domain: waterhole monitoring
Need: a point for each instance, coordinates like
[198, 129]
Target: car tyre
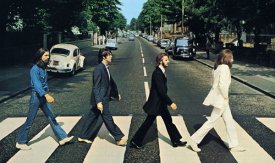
[73, 72]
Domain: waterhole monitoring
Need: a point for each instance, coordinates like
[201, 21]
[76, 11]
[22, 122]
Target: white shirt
[162, 69]
[107, 68]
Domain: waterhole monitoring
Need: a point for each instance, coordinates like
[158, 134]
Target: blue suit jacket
[103, 89]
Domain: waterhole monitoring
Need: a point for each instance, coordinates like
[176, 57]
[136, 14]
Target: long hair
[224, 57]
[38, 55]
[159, 58]
[103, 52]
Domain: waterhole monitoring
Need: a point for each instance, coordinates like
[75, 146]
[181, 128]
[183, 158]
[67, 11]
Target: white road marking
[143, 61]
[170, 154]
[268, 122]
[8, 125]
[44, 143]
[254, 152]
[104, 148]
[144, 71]
[147, 90]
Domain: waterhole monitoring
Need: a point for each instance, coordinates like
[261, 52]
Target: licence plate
[55, 63]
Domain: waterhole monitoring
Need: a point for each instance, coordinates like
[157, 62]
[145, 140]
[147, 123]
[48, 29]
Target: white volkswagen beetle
[65, 58]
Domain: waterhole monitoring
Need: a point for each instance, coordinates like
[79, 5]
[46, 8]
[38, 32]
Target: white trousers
[212, 120]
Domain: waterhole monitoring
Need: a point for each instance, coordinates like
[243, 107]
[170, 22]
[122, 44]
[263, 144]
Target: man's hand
[173, 106]
[49, 98]
[100, 106]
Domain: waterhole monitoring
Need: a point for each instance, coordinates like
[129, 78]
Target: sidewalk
[258, 77]
[15, 80]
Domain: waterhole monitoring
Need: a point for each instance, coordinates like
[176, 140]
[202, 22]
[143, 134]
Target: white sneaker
[237, 149]
[194, 146]
[23, 146]
[65, 140]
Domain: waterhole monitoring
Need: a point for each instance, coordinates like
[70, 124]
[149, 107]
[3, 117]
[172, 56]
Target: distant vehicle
[131, 38]
[150, 38]
[169, 48]
[111, 44]
[65, 58]
[184, 47]
[163, 43]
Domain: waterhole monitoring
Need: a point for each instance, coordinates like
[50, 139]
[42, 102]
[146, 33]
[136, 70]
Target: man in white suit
[218, 98]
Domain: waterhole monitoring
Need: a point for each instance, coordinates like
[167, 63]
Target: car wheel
[73, 72]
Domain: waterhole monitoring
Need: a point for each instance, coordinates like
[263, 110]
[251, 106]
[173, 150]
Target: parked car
[169, 48]
[184, 47]
[111, 44]
[150, 38]
[65, 58]
[163, 43]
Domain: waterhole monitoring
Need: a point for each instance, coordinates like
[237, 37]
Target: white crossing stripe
[268, 122]
[169, 154]
[8, 125]
[254, 152]
[104, 148]
[147, 90]
[44, 143]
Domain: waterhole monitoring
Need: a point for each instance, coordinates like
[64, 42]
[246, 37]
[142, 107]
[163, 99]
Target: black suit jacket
[103, 89]
[158, 98]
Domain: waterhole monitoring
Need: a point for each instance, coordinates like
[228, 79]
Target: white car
[65, 58]
[111, 44]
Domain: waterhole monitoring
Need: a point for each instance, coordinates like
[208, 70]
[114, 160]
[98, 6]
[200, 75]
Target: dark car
[184, 47]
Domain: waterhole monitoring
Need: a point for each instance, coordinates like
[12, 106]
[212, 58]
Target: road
[132, 66]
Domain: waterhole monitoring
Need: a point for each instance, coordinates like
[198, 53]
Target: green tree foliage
[133, 24]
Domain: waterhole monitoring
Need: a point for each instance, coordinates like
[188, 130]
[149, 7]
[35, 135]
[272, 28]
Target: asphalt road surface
[131, 68]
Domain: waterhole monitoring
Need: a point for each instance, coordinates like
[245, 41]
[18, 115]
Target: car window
[181, 42]
[60, 51]
[75, 52]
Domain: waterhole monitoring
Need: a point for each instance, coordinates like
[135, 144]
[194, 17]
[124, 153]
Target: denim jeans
[35, 103]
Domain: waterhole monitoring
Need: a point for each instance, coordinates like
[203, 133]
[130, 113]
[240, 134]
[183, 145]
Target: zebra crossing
[103, 149]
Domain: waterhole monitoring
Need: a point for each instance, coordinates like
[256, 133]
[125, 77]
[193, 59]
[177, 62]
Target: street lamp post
[182, 14]
[150, 26]
[160, 26]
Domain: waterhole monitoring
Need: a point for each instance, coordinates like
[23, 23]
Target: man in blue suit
[104, 90]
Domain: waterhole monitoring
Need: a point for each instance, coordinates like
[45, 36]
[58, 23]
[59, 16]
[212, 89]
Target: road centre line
[147, 90]
[44, 143]
[144, 71]
[143, 61]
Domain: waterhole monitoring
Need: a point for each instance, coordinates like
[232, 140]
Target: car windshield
[182, 42]
[61, 51]
[111, 41]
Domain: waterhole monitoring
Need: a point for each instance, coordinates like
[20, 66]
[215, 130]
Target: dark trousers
[94, 121]
[171, 128]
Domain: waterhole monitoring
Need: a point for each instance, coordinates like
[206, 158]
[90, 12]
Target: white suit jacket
[218, 95]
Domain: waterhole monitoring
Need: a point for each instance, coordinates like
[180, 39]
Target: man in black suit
[104, 90]
[157, 105]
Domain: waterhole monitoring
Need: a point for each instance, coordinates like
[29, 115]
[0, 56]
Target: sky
[131, 8]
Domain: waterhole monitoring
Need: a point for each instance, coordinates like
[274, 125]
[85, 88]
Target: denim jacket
[39, 80]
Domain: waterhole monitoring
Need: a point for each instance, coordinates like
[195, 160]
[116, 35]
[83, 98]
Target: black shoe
[179, 143]
[134, 145]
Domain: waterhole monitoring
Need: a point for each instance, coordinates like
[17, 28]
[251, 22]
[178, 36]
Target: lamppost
[150, 26]
[182, 14]
[160, 26]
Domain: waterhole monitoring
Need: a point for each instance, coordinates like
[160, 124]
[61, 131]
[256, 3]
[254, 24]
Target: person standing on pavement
[157, 105]
[104, 89]
[40, 98]
[208, 47]
[218, 98]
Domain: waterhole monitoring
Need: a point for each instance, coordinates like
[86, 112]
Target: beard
[43, 64]
[164, 65]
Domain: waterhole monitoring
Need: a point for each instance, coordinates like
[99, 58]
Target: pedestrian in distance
[104, 89]
[157, 105]
[40, 98]
[219, 99]
[208, 47]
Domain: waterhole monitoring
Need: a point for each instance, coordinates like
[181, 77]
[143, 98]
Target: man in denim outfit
[40, 99]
